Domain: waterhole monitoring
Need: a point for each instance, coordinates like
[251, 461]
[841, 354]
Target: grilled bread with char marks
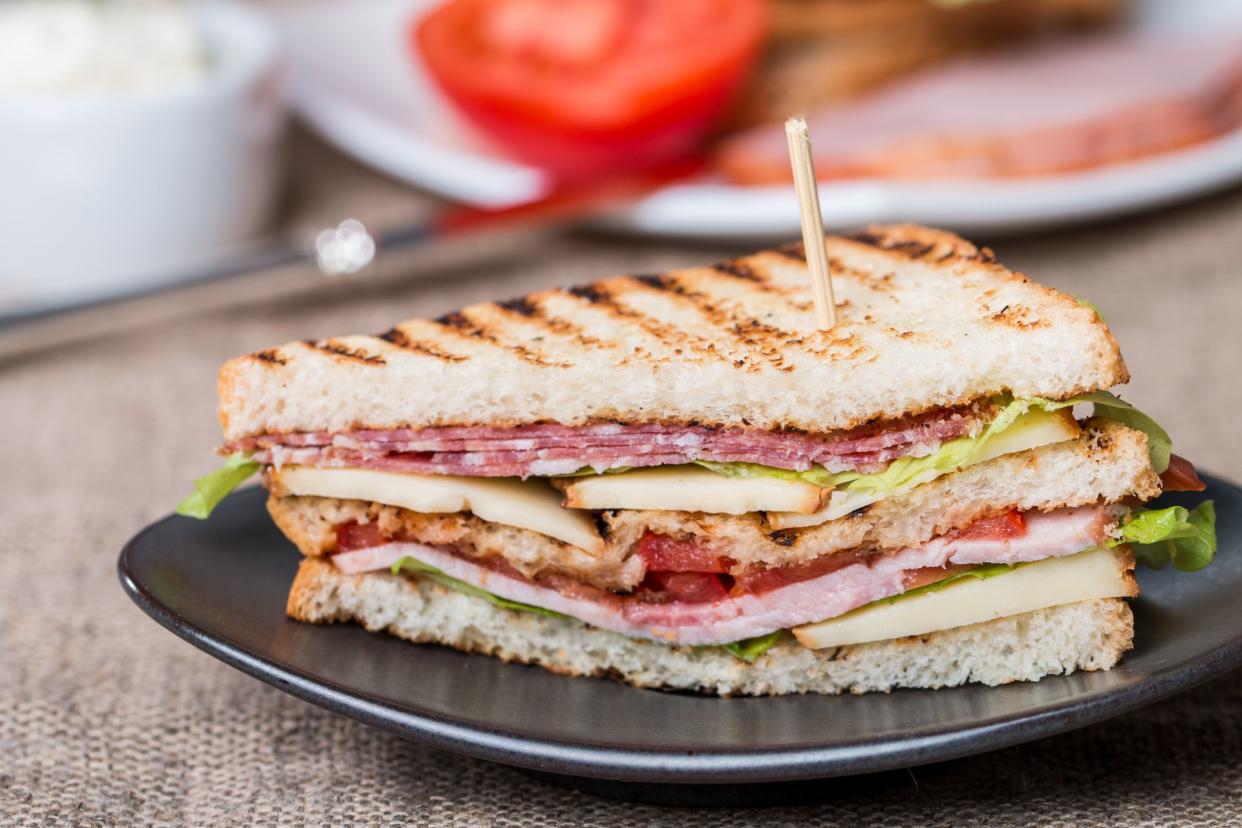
[926, 320]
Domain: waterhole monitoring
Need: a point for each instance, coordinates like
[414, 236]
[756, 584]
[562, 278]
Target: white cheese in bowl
[66, 47]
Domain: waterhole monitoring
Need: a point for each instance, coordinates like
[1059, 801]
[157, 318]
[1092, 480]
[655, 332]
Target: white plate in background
[356, 82]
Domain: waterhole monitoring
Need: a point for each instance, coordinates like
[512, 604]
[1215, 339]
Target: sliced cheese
[529, 504]
[1096, 573]
[1034, 429]
[693, 489]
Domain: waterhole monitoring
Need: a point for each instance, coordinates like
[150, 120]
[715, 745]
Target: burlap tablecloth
[105, 718]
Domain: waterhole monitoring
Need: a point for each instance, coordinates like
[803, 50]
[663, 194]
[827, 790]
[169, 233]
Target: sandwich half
[678, 481]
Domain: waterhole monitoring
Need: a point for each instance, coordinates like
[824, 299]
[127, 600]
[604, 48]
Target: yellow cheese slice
[526, 504]
[693, 489]
[1096, 573]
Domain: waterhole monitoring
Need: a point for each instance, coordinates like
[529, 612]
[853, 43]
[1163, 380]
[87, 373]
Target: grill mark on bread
[520, 305]
[796, 252]
[600, 295]
[918, 244]
[913, 249]
[657, 281]
[536, 314]
[400, 339]
[868, 237]
[271, 356]
[840, 347]
[459, 323]
[331, 346]
[589, 293]
[739, 269]
[910, 248]
[754, 278]
[759, 338]
[765, 340]
[840, 269]
[602, 526]
[792, 250]
[784, 537]
[1017, 316]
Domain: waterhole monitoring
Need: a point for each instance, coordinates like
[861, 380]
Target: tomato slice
[1181, 476]
[579, 86]
[351, 536]
[1004, 526]
[682, 587]
[664, 554]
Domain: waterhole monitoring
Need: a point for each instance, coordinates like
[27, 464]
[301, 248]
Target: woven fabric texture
[106, 719]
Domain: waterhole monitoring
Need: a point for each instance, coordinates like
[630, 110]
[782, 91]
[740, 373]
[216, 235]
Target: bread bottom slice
[1089, 635]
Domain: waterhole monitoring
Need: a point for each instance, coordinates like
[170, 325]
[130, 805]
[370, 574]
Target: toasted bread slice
[1089, 635]
[926, 320]
[1106, 464]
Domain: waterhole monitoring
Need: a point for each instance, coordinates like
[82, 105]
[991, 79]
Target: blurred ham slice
[1058, 108]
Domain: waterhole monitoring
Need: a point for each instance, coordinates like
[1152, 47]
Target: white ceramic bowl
[107, 192]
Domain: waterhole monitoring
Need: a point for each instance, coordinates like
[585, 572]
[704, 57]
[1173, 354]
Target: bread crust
[1089, 635]
[926, 320]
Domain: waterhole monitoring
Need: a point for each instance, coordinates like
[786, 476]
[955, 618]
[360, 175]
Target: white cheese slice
[693, 489]
[1096, 573]
[1034, 429]
[528, 504]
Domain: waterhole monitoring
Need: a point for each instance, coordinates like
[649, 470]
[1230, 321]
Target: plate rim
[720, 766]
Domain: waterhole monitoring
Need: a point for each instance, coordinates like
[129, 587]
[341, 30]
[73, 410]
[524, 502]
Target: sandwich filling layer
[548, 449]
[690, 597]
[322, 510]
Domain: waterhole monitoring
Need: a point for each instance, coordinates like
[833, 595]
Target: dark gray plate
[221, 585]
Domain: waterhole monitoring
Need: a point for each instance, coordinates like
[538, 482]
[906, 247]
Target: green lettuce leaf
[748, 649]
[211, 488]
[1158, 536]
[414, 565]
[908, 471]
[818, 476]
[1087, 303]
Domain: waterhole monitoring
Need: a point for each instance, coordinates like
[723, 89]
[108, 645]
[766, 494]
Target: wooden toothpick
[812, 222]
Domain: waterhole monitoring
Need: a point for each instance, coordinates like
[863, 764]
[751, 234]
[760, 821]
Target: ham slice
[1054, 534]
[545, 449]
[1069, 106]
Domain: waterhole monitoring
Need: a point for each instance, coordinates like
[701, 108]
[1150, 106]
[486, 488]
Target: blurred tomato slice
[664, 554]
[681, 587]
[581, 86]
